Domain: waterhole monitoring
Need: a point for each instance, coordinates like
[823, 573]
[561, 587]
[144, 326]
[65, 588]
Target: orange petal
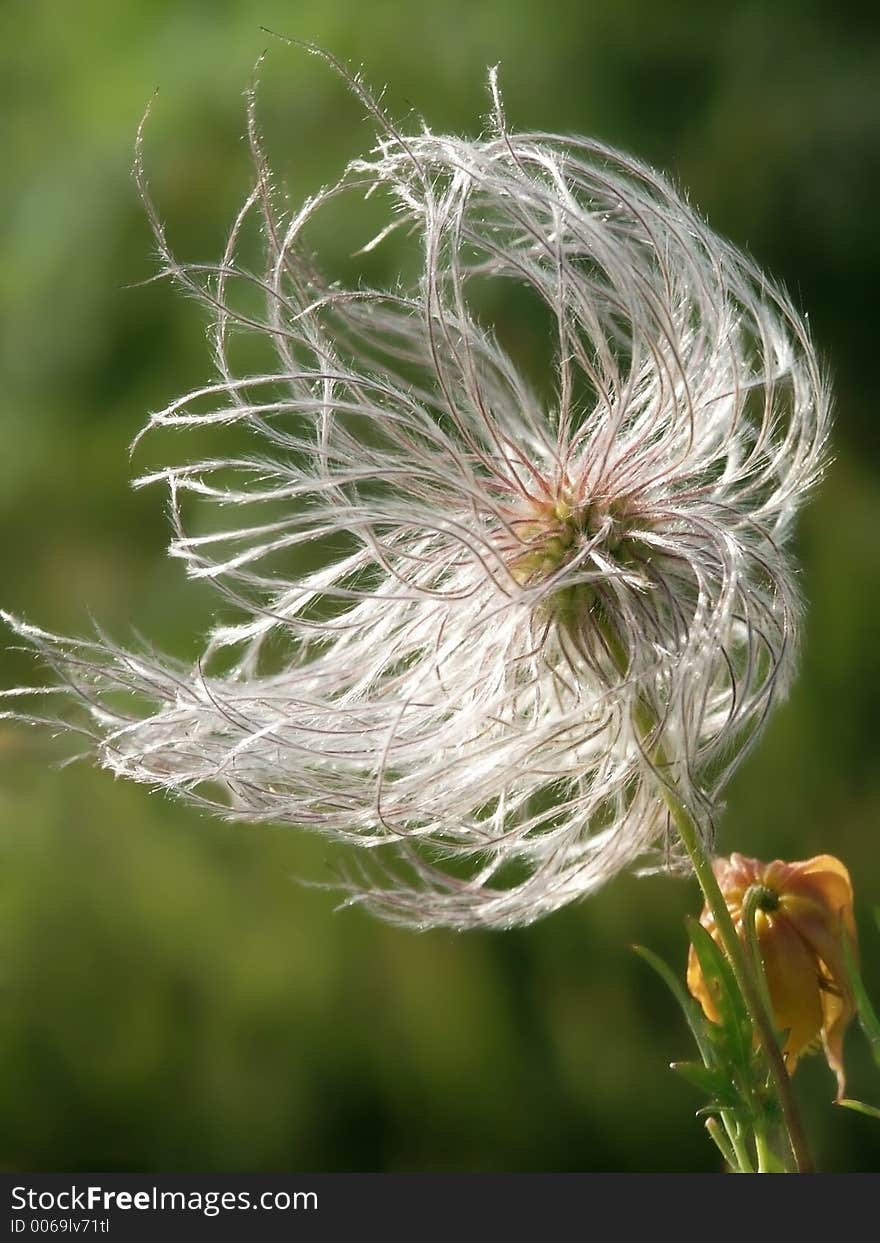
[792, 981]
[829, 889]
[838, 1009]
[822, 929]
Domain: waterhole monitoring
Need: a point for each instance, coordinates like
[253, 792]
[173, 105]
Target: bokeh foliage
[171, 997]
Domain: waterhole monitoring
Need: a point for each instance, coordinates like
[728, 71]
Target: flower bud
[802, 917]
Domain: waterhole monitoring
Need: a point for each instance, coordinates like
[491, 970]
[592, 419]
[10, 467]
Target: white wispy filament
[481, 625]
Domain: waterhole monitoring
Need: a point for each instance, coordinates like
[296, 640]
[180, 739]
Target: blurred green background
[170, 997]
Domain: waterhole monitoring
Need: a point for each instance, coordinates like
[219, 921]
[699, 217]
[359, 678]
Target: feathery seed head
[507, 619]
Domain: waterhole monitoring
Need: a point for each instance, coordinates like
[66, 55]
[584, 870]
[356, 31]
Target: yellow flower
[804, 913]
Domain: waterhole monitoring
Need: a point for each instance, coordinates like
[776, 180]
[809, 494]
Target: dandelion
[803, 920]
[484, 629]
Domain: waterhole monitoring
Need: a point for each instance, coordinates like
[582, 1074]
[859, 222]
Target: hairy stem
[753, 901]
[759, 898]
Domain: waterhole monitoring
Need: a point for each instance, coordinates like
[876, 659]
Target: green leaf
[696, 1020]
[723, 1144]
[860, 1107]
[713, 1080]
[868, 1019]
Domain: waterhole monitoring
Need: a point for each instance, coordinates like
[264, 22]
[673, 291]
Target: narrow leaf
[868, 1019]
[734, 1032]
[711, 1080]
[695, 1018]
[860, 1107]
[716, 1133]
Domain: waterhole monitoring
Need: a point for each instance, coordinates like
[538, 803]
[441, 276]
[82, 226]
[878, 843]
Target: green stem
[767, 1163]
[692, 840]
[738, 1143]
[758, 898]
